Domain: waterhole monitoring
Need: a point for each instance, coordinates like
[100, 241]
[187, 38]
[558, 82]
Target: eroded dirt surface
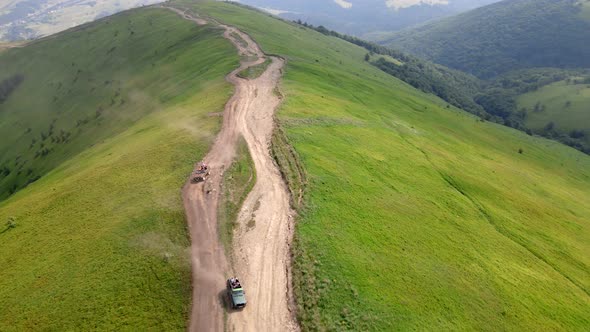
[265, 223]
[261, 252]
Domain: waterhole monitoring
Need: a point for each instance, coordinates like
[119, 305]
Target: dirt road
[261, 252]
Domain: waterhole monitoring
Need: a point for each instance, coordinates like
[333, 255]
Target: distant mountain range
[367, 18]
[28, 19]
[505, 36]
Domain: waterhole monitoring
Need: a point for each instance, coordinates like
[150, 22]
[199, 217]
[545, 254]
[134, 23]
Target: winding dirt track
[261, 252]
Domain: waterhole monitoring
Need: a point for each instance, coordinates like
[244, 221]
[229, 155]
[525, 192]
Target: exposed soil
[261, 248]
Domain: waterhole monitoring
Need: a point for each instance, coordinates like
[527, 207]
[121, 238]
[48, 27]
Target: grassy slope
[555, 97]
[421, 217]
[100, 241]
[238, 181]
[93, 83]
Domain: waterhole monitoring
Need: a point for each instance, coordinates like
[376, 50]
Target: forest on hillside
[503, 37]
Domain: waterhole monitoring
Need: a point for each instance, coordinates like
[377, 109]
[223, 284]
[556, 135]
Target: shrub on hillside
[11, 223]
[577, 134]
[8, 85]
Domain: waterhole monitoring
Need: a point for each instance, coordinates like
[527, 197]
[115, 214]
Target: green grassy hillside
[561, 107]
[99, 241]
[420, 217]
[494, 99]
[92, 83]
[509, 35]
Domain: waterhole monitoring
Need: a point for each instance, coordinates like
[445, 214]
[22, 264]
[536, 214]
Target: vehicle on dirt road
[236, 294]
[200, 174]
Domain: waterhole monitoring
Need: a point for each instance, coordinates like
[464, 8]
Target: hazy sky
[359, 17]
[397, 4]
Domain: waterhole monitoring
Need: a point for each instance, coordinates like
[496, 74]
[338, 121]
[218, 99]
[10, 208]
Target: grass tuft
[255, 71]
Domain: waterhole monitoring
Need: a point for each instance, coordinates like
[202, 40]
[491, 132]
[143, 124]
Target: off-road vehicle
[236, 294]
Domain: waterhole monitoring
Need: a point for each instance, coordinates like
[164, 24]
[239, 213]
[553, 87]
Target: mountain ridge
[415, 215]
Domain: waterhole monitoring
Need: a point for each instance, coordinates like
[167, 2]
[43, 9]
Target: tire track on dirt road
[265, 222]
[261, 252]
